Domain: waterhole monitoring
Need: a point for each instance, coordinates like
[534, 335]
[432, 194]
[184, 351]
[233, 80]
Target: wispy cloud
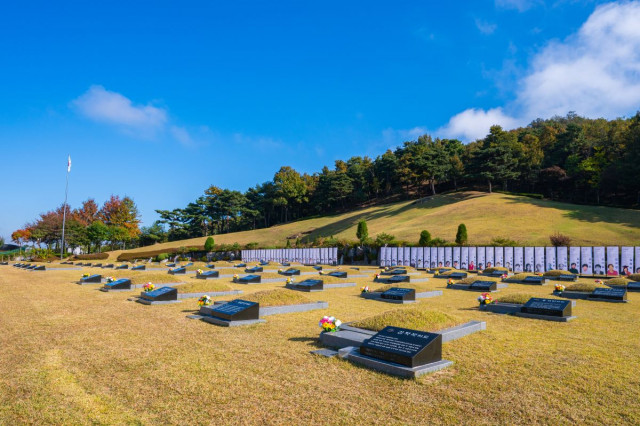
[485, 27]
[114, 109]
[519, 5]
[594, 72]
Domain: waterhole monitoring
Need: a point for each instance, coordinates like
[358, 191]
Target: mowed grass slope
[70, 354]
[526, 220]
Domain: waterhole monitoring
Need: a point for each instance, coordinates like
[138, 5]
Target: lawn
[71, 354]
[525, 220]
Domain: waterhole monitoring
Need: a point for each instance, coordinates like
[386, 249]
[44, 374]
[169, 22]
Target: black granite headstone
[123, 267]
[211, 266]
[310, 285]
[317, 268]
[633, 286]
[398, 279]
[456, 275]
[121, 284]
[171, 265]
[110, 265]
[403, 346]
[395, 272]
[291, 271]
[92, 279]
[338, 274]
[483, 286]
[285, 264]
[565, 277]
[548, 307]
[139, 268]
[237, 310]
[161, 294]
[534, 279]
[39, 268]
[250, 279]
[496, 274]
[398, 293]
[98, 265]
[254, 269]
[240, 265]
[178, 271]
[609, 294]
[208, 274]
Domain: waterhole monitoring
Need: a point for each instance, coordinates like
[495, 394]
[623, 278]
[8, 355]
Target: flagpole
[64, 206]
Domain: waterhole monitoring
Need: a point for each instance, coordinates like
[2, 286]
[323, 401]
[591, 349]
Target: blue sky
[159, 100]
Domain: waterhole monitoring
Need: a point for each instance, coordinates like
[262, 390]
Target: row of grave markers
[610, 261]
[325, 256]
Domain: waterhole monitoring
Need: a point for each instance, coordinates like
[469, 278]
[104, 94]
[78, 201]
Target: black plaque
[4, 263]
[211, 266]
[171, 265]
[633, 286]
[92, 279]
[139, 268]
[87, 264]
[285, 264]
[495, 274]
[396, 271]
[240, 265]
[254, 270]
[398, 279]
[456, 275]
[189, 264]
[609, 294]
[264, 263]
[98, 265]
[566, 277]
[110, 265]
[208, 274]
[178, 271]
[338, 274]
[317, 268]
[410, 348]
[39, 268]
[123, 267]
[398, 293]
[548, 307]
[161, 294]
[237, 310]
[250, 279]
[121, 284]
[483, 286]
[310, 285]
[289, 272]
[534, 279]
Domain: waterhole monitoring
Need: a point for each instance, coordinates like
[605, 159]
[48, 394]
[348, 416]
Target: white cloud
[485, 27]
[519, 5]
[475, 123]
[112, 108]
[394, 136]
[594, 72]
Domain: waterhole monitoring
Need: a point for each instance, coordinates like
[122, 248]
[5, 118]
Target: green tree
[97, 233]
[461, 235]
[363, 232]
[425, 238]
[384, 239]
[209, 244]
[498, 158]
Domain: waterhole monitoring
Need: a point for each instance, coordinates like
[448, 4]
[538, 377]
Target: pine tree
[362, 233]
[425, 237]
[461, 235]
[208, 244]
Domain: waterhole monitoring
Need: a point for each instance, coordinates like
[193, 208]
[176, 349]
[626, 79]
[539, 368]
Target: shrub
[288, 245]
[209, 244]
[461, 235]
[560, 240]
[92, 256]
[519, 298]
[150, 253]
[425, 237]
[503, 242]
[161, 257]
[556, 273]
[383, 239]
[437, 242]
[363, 232]
[251, 246]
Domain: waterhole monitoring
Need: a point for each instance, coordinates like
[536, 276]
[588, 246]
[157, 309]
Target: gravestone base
[581, 295]
[306, 290]
[225, 323]
[467, 288]
[158, 302]
[353, 354]
[329, 353]
[113, 290]
[339, 285]
[544, 317]
[512, 281]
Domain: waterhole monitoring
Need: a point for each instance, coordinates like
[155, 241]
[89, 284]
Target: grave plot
[208, 275]
[495, 272]
[481, 284]
[254, 270]
[452, 274]
[386, 342]
[159, 296]
[393, 279]
[178, 271]
[399, 293]
[248, 279]
[523, 305]
[123, 284]
[394, 271]
[196, 289]
[91, 279]
[559, 275]
[526, 278]
[328, 280]
[593, 292]
[123, 266]
[270, 302]
[138, 268]
[108, 266]
[308, 285]
[628, 284]
[290, 272]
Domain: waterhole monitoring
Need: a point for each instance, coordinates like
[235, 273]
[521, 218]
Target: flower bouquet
[365, 289]
[330, 324]
[376, 276]
[199, 272]
[148, 287]
[449, 281]
[235, 277]
[505, 276]
[204, 301]
[598, 281]
[85, 275]
[485, 299]
[559, 288]
[110, 279]
[289, 280]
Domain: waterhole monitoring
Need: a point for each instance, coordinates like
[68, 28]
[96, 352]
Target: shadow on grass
[311, 341]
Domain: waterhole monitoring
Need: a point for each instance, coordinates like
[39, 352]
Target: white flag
[69, 165]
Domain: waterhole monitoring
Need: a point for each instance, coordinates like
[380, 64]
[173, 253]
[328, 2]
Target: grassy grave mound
[327, 279]
[471, 280]
[586, 287]
[521, 276]
[519, 298]
[143, 278]
[620, 281]
[203, 286]
[495, 269]
[556, 273]
[418, 287]
[277, 297]
[450, 271]
[415, 318]
[634, 277]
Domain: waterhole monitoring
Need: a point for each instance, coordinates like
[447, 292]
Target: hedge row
[92, 256]
[153, 253]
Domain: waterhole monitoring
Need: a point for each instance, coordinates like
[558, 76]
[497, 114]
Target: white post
[64, 206]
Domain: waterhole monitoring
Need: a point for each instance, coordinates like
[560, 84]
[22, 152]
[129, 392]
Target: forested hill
[488, 217]
[572, 159]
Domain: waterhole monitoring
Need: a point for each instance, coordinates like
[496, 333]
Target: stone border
[353, 336]
[514, 309]
[287, 309]
[466, 287]
[339, 285]
[353, 354]
[376, 295]
[210, 294]
[223, 323]
[512, 281]
[161, 302]
[545, 317]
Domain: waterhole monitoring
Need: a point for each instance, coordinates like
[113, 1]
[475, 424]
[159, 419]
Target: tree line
[571, 158]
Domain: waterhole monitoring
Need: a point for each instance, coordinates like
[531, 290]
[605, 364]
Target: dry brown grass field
[70, 354]
[525, 220]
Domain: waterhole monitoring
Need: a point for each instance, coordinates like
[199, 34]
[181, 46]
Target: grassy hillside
[523, 219]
